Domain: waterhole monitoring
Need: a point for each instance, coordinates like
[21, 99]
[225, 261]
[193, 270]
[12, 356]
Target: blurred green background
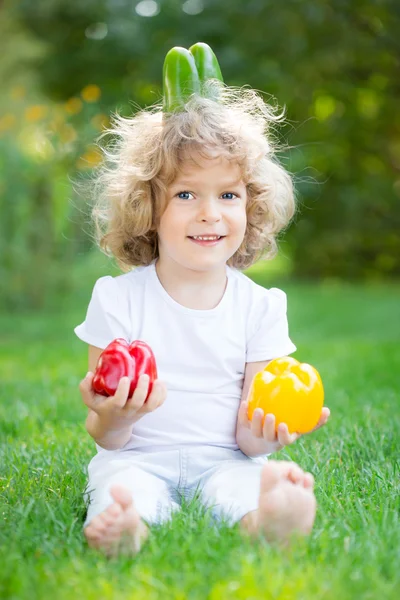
[66, 65]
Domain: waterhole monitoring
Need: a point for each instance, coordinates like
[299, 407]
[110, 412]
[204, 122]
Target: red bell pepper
[121, 359]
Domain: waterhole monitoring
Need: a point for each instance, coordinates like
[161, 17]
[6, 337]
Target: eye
[179, 194]
[231, 194]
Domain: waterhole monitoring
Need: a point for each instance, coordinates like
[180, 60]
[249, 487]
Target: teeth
[206, 238]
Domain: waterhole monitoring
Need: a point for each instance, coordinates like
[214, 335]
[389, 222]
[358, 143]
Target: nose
[209, 211]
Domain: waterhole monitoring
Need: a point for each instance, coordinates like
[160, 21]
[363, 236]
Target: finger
[161, 389]
[155, 397]
[256, 426]
[87, 392]
[269, 432]
[325, 414]
[140, 394]
[243, 418]
[164, 393]
[121, 394]
[284, 437]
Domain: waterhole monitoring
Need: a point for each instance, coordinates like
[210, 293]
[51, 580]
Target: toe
[296, 474]
[112, 513]
[121, 495]
[88, 531]
[308, 481]
[97, 524]
[270, 476]
[92, 535]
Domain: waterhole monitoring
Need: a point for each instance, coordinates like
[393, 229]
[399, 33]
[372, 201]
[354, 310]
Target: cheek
[171, 223]
[166, 219]
[241, 221]
[163, 229]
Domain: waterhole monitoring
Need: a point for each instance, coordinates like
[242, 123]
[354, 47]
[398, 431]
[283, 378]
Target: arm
[258, 437]
[110, 419]
[103, 436]
[247, 443]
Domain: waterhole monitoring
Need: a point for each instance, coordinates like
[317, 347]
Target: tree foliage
[333, 65]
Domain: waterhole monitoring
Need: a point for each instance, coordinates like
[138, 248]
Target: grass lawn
[351, 334]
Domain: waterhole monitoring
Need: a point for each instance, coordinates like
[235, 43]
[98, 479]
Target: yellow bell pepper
[290, 390]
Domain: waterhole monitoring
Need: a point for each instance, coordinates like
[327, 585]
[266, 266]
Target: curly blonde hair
[147, 152]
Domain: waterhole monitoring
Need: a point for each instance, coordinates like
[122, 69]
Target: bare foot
[287, 503]
[119, 529]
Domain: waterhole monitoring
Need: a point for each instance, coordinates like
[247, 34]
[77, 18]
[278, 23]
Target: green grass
[351, 334]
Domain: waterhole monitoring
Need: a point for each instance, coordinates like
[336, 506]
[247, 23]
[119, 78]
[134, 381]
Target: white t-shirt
[200, 354]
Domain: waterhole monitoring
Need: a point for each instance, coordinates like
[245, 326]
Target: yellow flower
[91, 93]
[90, 158]
[18, 92]
[73, 106]
[35, 113]
[100, 121]
[67, 134]
[7, 121]
[58, 117]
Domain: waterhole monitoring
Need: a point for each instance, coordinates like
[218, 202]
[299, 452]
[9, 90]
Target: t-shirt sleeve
[269, 331]
[107, 315]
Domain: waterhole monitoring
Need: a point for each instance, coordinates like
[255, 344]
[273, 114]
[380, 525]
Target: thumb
[243, 418]
[86, 389]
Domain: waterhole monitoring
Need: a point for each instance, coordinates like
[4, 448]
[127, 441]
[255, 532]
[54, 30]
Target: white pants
[228, 481]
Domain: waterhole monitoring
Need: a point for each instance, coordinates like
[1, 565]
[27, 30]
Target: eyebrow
[192, 183]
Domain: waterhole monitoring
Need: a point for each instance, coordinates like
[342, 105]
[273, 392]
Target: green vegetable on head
[184, 73]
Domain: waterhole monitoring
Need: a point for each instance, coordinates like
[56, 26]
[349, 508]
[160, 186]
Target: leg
[122, 506]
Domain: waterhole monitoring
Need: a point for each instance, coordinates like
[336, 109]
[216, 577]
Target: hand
[119, 411]
[265, 428]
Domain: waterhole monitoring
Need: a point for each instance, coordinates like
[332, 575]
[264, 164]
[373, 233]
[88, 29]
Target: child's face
[207, 198]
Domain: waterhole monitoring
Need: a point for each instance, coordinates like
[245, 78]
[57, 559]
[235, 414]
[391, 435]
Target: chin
[202, 264]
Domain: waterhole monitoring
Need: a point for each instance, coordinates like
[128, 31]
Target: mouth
[206, 240]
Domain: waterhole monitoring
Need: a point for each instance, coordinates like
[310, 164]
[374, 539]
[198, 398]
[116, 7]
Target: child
[190, 199]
